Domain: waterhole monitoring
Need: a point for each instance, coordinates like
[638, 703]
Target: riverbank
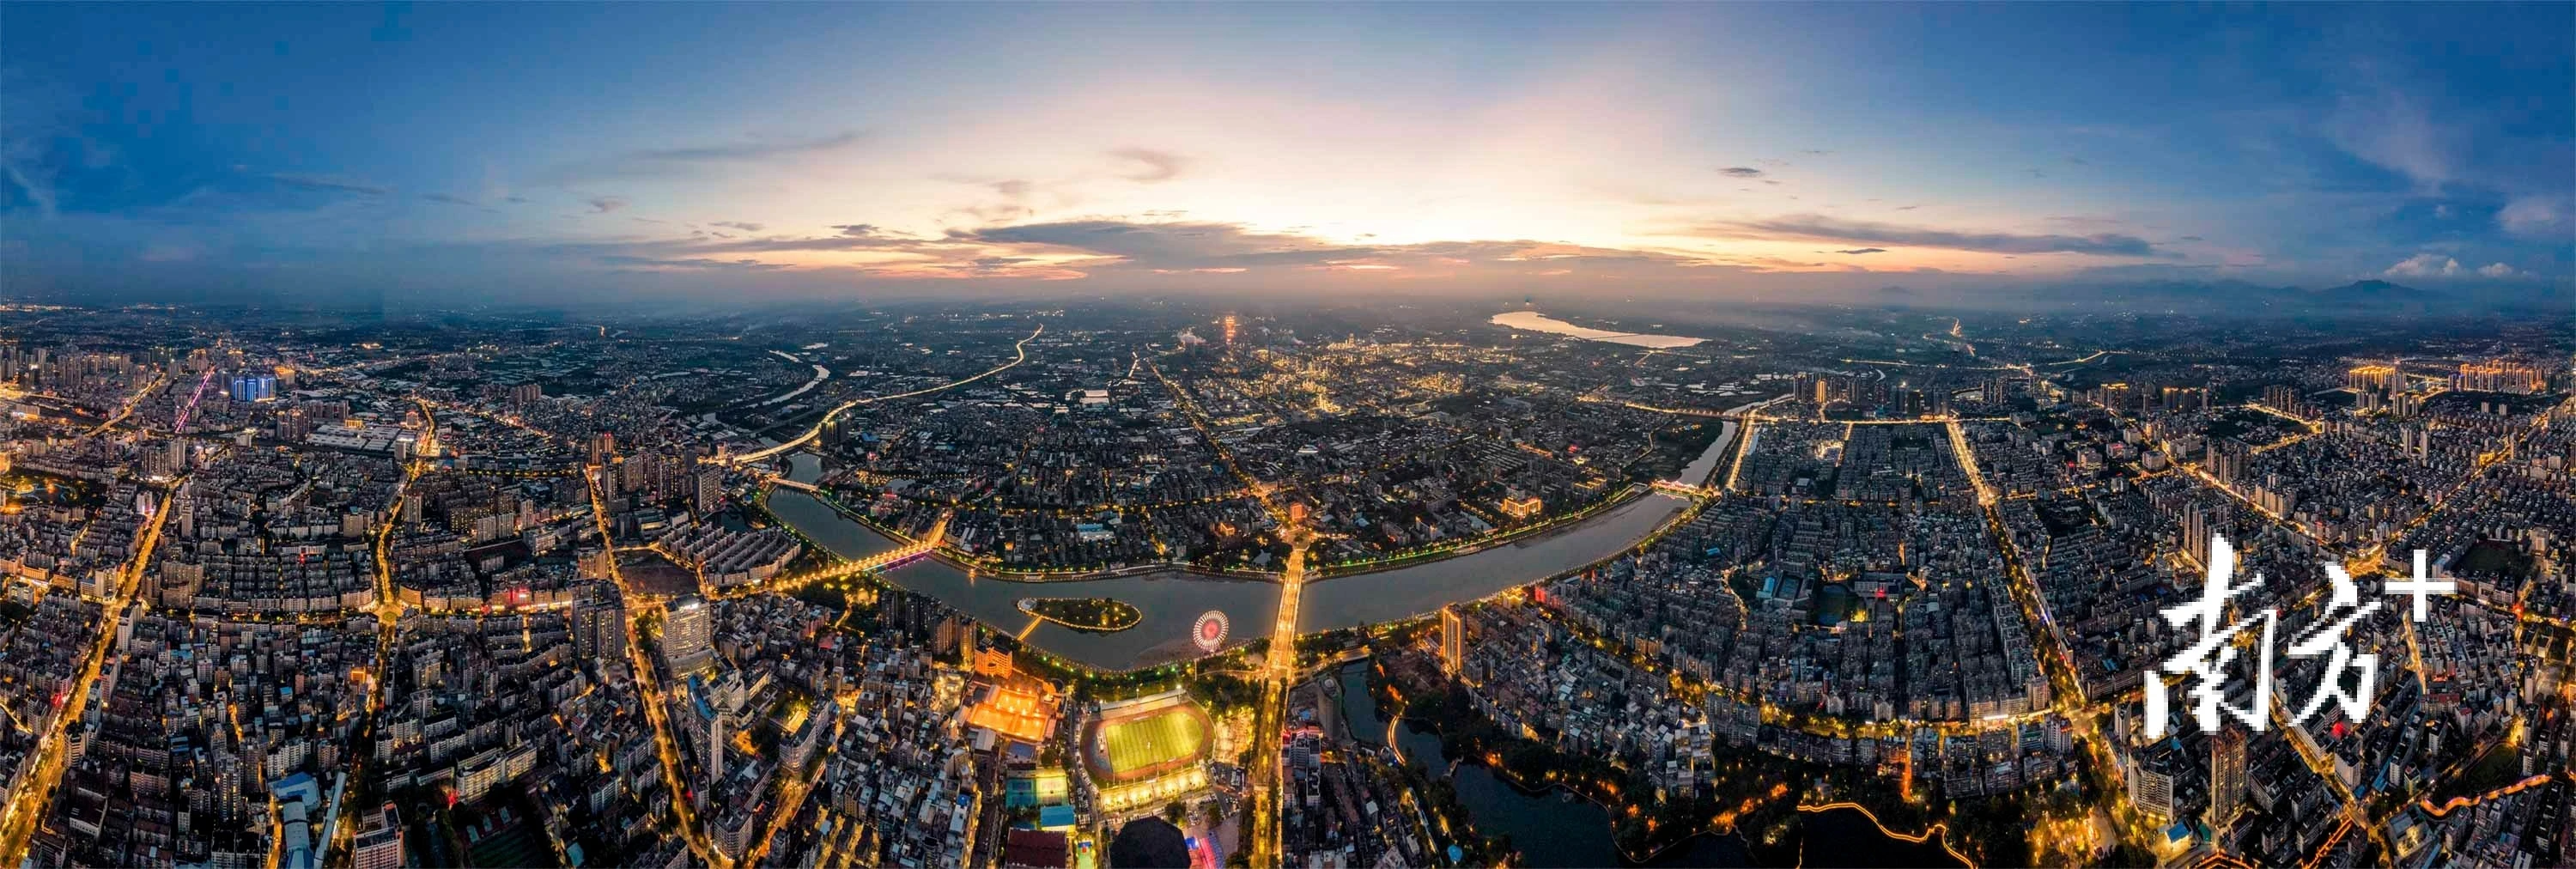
[1170, 599]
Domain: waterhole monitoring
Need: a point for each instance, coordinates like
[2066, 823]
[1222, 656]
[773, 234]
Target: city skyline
[1197, 436]
[1722, 152]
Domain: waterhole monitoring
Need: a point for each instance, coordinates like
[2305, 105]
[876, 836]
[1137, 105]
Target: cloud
[689, 263]
[1907, 207]
[515, 200]
[2442, 212]
[669, 162]
[2193, 238]
[2434, 265]
[1173, 245]
[2393, 131]
[327, 184]
[2424, 265]
[1018, 189]
[2533, 216]
[1863, 250]
[606, 204]
[1149, 165]
[448, 198]
[737, 224]
[1813, 227]
[1740, 172]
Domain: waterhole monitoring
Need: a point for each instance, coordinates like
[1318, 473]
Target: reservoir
[1534, 321]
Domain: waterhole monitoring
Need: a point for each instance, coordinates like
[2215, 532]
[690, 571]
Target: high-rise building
[2500, 375]
[715, 750]
[2281, 397]
[2227, 460]
[2151, 786]
[688, 635]
[599, 624]
[2195, 533]
[707, 490]
[2226, 775]
[379, 844]
[1453, 642]
[2371, 378]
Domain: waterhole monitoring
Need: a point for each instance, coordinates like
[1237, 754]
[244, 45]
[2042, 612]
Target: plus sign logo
[2419, 586]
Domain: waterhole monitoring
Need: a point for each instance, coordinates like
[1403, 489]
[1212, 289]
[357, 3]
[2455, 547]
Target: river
[1172, 600]
[1703, 470]
[1536, 322]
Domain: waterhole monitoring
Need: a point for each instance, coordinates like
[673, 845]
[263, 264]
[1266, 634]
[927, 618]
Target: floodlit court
[1160, 738]
[1145, 738]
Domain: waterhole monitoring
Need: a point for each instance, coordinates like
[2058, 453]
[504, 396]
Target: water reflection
[1171, 600]
[1537, 322]
[1550, 829]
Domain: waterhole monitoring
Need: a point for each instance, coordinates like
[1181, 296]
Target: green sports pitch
[1149, 743]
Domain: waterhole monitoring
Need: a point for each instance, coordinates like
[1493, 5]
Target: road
[1019, 354]
[36, 789]
[637, 605]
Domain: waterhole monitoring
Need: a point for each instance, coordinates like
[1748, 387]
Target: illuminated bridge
[881, 561]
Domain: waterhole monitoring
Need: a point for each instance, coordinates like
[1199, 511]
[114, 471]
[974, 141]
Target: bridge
[888, 559]
[1683, 489]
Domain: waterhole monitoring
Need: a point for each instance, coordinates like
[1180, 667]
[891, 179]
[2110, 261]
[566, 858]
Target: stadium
[1146, 751]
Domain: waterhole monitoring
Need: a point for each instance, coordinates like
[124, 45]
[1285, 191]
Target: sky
[743, 152]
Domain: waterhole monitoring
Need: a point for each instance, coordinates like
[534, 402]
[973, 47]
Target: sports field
[1148, 743]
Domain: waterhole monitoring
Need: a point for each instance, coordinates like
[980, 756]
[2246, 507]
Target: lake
[1536, 322]
[1551, 830]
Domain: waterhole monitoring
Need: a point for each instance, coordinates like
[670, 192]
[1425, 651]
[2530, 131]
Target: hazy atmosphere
[749, 152]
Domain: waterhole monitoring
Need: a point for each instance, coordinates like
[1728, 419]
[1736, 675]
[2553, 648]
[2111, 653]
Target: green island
[1095, 614]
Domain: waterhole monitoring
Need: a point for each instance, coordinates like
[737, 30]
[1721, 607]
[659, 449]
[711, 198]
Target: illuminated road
[2055, 659]
[1019, 354]
[136, 400]
[1270, 723]
[36, 788]
[1279, 670]
[637, 604]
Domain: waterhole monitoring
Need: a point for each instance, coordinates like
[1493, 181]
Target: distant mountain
[2374, 289]
[2241, 298]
